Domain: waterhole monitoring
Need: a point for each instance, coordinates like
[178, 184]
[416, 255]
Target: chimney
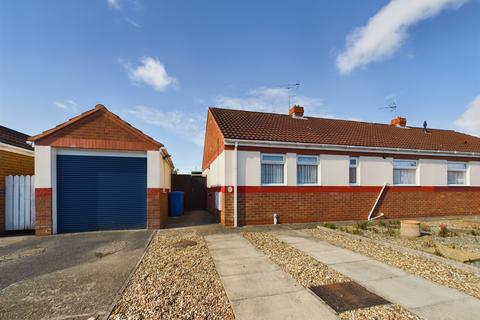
[399, 122]
[296, 111]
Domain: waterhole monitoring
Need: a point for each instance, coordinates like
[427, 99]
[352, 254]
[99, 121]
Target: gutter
[335, 147]
[15, 149]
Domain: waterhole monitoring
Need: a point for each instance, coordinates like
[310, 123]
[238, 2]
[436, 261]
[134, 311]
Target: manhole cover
[347, 296]
[184, 243]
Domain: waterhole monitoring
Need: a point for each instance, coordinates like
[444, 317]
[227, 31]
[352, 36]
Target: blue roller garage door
[101, 193]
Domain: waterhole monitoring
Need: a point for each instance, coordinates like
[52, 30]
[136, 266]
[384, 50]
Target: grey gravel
[177, 279]
[438, 272]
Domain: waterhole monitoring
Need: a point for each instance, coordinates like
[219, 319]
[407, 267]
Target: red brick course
[347, 203]
[157, 207]
[12, 163]
[43, 211]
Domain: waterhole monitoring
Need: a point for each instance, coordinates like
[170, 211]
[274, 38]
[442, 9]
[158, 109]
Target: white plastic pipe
[235, 183]
[376, 203]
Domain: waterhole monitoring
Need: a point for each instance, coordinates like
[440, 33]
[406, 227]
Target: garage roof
[14, 138]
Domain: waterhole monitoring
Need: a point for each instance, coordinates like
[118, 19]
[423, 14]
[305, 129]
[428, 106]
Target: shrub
[382, 224]
[425, 227]
[443, 232]
[330, 225]
[364, 225]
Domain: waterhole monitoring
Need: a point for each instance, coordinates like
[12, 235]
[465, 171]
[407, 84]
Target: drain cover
[347, 296]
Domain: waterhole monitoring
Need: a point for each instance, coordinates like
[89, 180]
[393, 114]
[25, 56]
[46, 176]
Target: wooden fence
[19, 203]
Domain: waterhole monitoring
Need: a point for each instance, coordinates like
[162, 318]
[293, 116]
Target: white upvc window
[272, 171]
[457, 173]
[307, 170]
[404, 172]
[353, 171]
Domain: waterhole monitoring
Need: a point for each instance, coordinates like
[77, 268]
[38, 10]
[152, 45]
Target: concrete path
[423, 297]
[258, 288]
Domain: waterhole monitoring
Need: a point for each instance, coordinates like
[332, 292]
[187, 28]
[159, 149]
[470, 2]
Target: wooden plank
[26, 215]
[21, 211]
[32, 201]
[16, 196]
[9, 203]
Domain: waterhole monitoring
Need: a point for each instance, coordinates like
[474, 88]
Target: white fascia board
[333, 147]
[14, 149]
[102, 153]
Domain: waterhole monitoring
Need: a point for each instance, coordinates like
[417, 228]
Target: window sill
[309, 185]
[273, 185]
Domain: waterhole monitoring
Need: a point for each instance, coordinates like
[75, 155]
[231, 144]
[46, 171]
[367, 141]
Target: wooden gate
[194, 188]
[19, 203]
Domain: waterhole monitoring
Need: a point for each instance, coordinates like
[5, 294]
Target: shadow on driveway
[66, 276]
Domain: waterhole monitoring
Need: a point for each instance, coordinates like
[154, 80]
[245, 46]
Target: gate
[194, 188]
[19, 203]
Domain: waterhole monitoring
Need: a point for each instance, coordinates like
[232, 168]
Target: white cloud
[133, 23]
[386, 31]
[271, 99]
[151, 72]
[469, 121]
[189, 125]
[67, 105]
[115, 4]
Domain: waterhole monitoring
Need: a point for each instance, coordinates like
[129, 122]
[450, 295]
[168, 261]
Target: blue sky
[160, 64]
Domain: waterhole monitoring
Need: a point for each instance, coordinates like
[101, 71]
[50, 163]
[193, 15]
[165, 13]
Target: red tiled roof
[14, 138]
[248, 125]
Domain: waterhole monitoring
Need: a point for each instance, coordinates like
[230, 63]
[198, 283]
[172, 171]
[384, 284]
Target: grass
[330, 225]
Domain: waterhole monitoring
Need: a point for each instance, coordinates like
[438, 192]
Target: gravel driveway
[66, 276]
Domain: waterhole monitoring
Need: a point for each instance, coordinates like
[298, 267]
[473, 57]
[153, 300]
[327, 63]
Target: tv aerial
[392, 107]
[291, 88]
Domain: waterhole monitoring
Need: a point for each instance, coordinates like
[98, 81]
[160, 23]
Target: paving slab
[258, 288]
[339, 255]
[369, 270]
[421, 296]
[411, 291]
[295, 305]
[245, 266]
[465, 309]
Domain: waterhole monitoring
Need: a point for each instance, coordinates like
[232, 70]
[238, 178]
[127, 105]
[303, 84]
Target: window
[272, 168]
[456, 173]
[307, 170]
[353, 170]
[404, 172]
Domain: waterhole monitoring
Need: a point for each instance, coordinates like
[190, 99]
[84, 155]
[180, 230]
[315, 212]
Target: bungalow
[16, 158]
[97, 172]
[294, 168]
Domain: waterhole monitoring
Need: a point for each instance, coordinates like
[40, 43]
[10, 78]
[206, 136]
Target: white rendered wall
[432, 172]
[166, 177]
[249, 168]
[216, 173]
[290, 169]
[43, 167]
[375, 171]
[334, 170]
[154, 169]
[473, 173]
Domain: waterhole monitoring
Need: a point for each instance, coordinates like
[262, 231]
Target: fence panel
[19, 203]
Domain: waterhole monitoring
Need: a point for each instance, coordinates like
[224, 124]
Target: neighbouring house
[306, 169]
[97, 172]
[16, 158]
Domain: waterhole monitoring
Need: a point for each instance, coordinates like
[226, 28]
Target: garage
[101, 192]
[97, 172]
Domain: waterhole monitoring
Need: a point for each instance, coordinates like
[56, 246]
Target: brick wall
[43, 211]
[214, 142]
[297, 207]
[98, 131]
[157, 207]
[12, 164]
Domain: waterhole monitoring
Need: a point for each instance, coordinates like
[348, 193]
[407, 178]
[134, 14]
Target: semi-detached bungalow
[306, 169]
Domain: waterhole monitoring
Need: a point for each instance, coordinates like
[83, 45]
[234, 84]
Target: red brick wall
[43, 211]
[12, 164]
[98, 131]
[214, 142]
[346, 203]
[157, 207]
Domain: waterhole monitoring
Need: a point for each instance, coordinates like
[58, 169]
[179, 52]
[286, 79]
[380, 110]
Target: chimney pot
[399, 122]
[296, 111]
